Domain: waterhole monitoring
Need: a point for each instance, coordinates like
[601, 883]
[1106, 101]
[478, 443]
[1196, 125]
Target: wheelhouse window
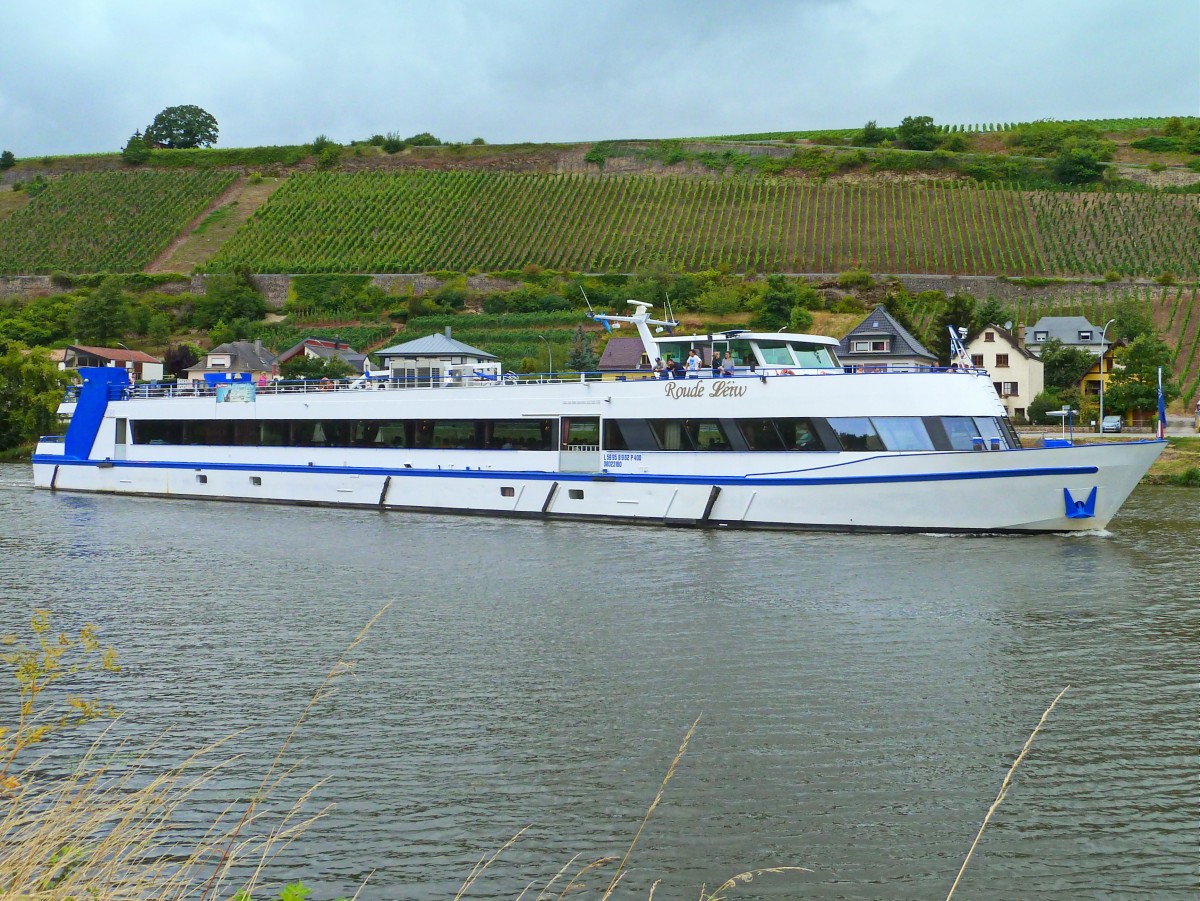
[775, 353]
[813, 356]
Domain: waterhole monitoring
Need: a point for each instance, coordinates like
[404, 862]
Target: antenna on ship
[591, 312]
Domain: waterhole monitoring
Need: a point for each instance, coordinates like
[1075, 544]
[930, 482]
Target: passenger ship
[792, 439]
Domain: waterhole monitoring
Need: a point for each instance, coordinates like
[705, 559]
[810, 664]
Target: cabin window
[256, 480]
[507, 491]
[856, 433]
[706, 435]
[202, 479]
[575, 494]
[799, 435]
[671, 434]
[903, 433]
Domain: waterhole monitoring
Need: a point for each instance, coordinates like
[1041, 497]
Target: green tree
[136, 152]
[183, 126]
[801, 319]
[1133, 385]
[31, 388]
[990, 312]
[227, 297]
[306, 367]
[7, 160]
[872, 135]
[918, 133]
[582, 356]
[1132, 321]
[102, 316]
[1064, 365]
[774, 306]
[959, 312]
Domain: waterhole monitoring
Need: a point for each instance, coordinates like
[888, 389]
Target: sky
[81, 77]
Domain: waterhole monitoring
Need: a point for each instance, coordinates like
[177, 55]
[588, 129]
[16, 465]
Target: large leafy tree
[1133, 384]
[31, 387]
[1064, 364]
[183, 126]
[102, 316]
[774, 307]
[918, 133]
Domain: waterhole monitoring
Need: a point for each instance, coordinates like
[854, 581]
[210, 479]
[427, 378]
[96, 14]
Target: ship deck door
[580, 447]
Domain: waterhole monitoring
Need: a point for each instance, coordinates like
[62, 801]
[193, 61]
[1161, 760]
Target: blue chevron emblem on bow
[1080, 509]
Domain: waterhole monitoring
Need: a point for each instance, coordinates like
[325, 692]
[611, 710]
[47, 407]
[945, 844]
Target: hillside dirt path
[203, 237]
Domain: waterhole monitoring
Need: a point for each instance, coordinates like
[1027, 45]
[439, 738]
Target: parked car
[1111, 424]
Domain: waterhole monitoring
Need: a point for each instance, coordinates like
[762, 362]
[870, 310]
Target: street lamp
[1103, 350]
[550, 353]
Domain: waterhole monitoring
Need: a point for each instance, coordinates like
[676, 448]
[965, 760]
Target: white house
[1017, 374]
[437, 360]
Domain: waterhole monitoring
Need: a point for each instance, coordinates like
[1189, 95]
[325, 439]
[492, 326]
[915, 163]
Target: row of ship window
[860, 433]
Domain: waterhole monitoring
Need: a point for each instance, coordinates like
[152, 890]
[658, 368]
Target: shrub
[393, 143]
[1112, 276]
[7, 160]
[855, 278]
[321, 143]
[1156, 144]
[328, 158]
[424, 139]
[1166, 277]
[478, 141]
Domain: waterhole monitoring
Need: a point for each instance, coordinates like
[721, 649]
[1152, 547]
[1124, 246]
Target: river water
[861, 697]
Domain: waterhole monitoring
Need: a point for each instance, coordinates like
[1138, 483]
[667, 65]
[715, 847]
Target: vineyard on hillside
[1141, 234]
[423, 221]
[104, 222]
[426, 221]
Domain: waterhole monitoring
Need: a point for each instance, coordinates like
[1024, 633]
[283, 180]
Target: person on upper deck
[727, 367]
[715, 362]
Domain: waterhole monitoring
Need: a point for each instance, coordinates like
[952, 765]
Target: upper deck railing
[155, 390]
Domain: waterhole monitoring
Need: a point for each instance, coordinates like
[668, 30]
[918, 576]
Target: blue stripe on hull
[587, 477]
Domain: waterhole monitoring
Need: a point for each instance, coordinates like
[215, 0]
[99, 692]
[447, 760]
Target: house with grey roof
[1073, 331]
[880, 342]
[234, 357]
[437, 360]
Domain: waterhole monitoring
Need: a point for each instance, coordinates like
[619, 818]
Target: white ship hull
[1065, 488]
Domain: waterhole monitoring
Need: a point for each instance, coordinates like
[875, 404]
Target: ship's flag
[1162, 408]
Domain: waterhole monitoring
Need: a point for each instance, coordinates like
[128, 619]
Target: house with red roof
[141, 366]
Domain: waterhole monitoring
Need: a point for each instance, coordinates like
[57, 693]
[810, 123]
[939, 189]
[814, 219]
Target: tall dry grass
[121, 829]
